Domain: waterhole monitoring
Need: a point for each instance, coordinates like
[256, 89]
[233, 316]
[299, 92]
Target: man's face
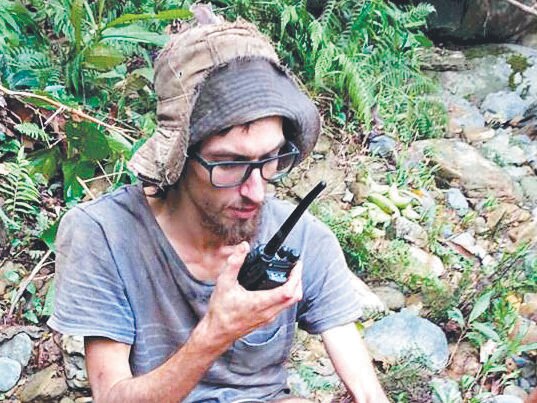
[233, 214]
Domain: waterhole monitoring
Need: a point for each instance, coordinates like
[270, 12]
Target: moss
[518, 64]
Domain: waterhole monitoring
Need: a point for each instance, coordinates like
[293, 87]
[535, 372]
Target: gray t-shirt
[118, 277]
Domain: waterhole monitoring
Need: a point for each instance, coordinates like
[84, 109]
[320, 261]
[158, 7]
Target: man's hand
[233, 311]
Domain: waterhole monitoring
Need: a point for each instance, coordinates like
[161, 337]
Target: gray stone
[517, 173]
[382, 146]
[410, 231]
[73, 344]
[468, 242]
[19, 348]
[456, 200]
[391, 297]
[46, 384]
[456, 160]
[529, 187]
[506, 399]
[10, 371]
[404, 336]
[75, 372]
[502, 152]
[513, 390]
[504, 106]
[463, 116]
[445, 390]
[422, 263]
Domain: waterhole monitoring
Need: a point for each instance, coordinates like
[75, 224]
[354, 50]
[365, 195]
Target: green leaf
[423, 41]
[71, 170]
[77, 10]
[49, 235]
[135, 33]
[31, 316]
[102, 57]
[86, 139]
[48, 307]
[12, 276]
[163, 15]
[118, 145]
[456, 315]
[486, 330]
[31, 288]
[45, 162]
[481, 305]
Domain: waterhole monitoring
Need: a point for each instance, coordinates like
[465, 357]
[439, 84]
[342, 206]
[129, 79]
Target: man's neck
[203, 252]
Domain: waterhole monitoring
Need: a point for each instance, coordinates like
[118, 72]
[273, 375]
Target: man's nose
[254, 187]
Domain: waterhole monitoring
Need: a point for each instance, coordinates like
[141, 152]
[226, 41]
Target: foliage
[367, 52]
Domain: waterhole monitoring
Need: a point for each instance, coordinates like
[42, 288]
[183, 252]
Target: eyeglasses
[228, 174]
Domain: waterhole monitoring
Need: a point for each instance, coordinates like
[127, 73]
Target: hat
[238, 63]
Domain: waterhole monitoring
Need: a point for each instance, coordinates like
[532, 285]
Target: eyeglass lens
[234, 174]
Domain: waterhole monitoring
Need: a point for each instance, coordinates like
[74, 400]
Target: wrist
[210, 338]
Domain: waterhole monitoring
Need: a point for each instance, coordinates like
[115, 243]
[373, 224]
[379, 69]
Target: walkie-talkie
[268, 266]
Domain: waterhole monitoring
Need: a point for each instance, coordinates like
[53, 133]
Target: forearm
[175, 379]
[353, 364]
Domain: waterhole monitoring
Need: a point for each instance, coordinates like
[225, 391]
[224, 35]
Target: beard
[231, 232]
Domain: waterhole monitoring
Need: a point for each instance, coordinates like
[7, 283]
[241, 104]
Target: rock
[478, 21]
[456, 159]
[504, 106]
[529, 187]
[75, 372]
[302, 181]
[422, 263]
[19, 348]
[468, 242]
[43, 385]
[456, 200]
[502, 152]
[73, 344]
[66, 399]
[410, 231]
[360, 190]
[506, 399]
[508, 213]
[465, 360]
[445, 390]
[478, 135]
[528, 308]
[414, 304]
[513, 390]
[442, 59]
[323, 145]
[525, 233]
[463, 117]
[370, 303]
[404, 336]
[11, 372]
[518, 173]
[392, 298]
[525, 328]
[382, 145]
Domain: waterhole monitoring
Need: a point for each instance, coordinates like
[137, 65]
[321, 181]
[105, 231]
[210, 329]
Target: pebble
[456, 200]
[382, 146]
[11, 372]
[19, 348]
[392, 298]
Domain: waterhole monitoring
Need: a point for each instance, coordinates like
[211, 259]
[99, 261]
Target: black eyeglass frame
[251, 165]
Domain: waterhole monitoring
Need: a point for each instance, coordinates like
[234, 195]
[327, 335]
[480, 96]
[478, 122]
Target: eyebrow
[234, 155]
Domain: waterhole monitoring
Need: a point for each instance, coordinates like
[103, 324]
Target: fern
[18, 190]
[33, 131]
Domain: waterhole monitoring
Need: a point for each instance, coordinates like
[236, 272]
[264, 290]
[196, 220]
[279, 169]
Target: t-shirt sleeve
[330, 298]
[90, 295]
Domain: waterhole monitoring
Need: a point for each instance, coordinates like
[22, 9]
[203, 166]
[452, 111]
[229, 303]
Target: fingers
[234, 262]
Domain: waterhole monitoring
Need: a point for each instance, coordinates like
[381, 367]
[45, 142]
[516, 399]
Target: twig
[85, 187]
[524, 7]
[68, 109]
[25, 282]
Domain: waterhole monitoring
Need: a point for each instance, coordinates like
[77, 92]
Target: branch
[25, 282]
[66, 108]
[524, 7]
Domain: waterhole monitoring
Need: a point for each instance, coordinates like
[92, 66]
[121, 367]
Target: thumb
[235, 260]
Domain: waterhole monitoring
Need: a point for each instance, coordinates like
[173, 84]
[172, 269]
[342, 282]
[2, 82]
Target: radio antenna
[277, 240]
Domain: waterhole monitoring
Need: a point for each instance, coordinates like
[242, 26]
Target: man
[149, 277]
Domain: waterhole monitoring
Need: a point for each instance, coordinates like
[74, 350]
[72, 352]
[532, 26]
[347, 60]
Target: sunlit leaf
[481, 305]
[135, 33]
[102, 57]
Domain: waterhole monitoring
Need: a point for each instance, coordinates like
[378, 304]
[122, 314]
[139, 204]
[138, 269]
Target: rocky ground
[485, 191]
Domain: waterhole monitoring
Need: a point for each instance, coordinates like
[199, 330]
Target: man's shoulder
[107, 206]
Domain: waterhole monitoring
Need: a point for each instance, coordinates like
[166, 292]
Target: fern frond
[33, 131]
[18, 190]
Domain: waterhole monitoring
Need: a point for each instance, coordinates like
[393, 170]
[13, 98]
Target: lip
[244, 212]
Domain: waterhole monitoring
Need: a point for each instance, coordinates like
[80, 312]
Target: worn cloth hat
[245, 90]
[206, 51]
